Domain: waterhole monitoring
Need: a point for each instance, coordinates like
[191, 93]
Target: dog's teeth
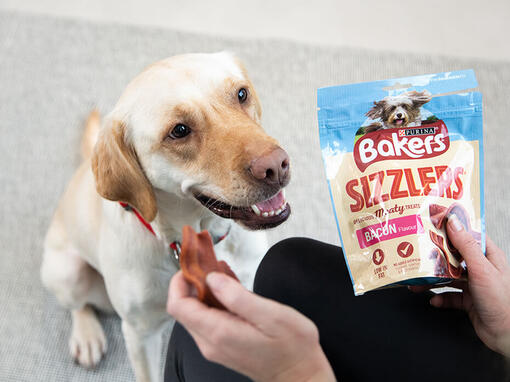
[271, 213]
[278, 211]
[265, 214]
[283, 194]
[255, 209]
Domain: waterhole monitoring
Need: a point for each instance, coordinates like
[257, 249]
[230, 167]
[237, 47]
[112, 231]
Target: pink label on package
[390, 229]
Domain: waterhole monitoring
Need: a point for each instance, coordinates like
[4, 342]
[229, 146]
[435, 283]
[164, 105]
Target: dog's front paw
[88, 342]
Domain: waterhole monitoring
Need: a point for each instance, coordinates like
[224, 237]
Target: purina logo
[409, 143]
[416, 131]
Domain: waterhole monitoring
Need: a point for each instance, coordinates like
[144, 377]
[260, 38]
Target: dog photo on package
[401, 156]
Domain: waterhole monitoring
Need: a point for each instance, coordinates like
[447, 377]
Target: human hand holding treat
[258, 337]
[485, 295]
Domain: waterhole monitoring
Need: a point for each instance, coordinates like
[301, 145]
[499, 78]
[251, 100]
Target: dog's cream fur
[97, 254]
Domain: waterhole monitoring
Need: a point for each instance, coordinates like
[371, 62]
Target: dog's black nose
[272, 168]
[399, 115]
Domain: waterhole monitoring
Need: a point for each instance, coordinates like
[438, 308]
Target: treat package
[401, 156]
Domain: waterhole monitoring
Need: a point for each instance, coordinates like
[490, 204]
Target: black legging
[387, 335]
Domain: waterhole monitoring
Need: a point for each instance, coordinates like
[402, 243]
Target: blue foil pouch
[401, 156]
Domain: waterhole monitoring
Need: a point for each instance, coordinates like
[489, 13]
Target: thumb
[233, 295]
[255, 309]
[468, 247]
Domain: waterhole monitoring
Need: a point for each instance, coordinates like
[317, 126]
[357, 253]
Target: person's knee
[294, 250]
[284, 251]
[293, 259]
[283, 256]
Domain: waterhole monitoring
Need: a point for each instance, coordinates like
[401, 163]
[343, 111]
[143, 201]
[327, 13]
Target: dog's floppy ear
[419, 98]
[377, 110]
[118, 174]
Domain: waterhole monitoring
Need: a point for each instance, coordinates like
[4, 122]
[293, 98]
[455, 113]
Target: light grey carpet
[52, 72]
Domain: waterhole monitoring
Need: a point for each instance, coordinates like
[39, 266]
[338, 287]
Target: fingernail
[436, 301]
[215, 280]
[455, 223]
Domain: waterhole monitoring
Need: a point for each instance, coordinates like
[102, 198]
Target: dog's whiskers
[214, 201]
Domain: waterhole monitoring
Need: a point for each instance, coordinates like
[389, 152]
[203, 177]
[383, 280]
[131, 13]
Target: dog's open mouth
[399, 122]
[268, 213]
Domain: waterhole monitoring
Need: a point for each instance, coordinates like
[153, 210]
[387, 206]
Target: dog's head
[190, 125]
[401, 110]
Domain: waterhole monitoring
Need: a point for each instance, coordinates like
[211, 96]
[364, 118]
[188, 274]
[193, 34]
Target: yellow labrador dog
[183, 146]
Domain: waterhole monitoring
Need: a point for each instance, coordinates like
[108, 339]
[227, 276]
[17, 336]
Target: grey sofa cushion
[53, 72]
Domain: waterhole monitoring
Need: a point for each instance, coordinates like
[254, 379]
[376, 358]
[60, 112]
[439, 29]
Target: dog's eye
[242, 94]
[180, 131]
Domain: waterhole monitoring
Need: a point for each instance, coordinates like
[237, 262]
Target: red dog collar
[174, 246]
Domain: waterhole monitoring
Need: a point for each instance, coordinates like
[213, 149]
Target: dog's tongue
[271, 204]
[399, 121]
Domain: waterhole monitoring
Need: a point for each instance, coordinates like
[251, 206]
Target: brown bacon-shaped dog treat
[443, 266]
[197, 260]
[437, 214]
[440, 267]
